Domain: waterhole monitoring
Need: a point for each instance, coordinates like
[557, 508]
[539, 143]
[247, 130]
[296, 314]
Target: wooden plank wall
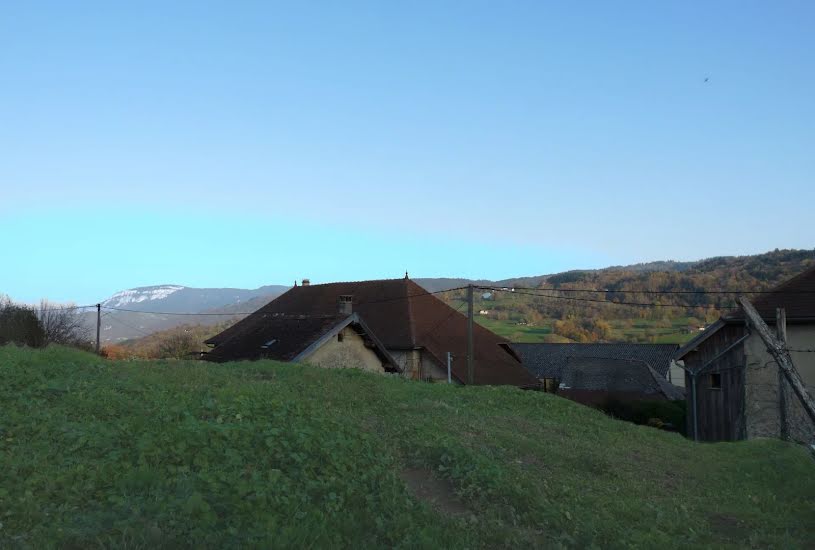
[720, 412]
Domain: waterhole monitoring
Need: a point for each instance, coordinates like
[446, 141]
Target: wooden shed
[732, 382]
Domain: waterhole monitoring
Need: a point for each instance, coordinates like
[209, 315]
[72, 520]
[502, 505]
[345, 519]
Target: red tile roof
[403, 316]
[795, 295]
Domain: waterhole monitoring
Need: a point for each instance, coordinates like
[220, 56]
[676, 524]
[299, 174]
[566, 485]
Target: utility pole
[449, 368]
[781, 334]
[470, 358]
[98, 325]
[781, 355]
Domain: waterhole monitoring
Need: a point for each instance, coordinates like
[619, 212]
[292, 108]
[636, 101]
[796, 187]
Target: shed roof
[617, 375]
[549, 360]
[795, 295]
[404, 316]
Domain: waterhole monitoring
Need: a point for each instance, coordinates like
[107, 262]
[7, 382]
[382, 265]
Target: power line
[61, 308]
[128, 325]
[696, 292]
[596, 300]
[385, 300]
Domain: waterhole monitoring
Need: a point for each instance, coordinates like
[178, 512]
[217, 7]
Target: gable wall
[350, 353]
[720, 412]
[763, 411]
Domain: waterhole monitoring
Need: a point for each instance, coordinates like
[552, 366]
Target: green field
[643, 331]
[137, 454]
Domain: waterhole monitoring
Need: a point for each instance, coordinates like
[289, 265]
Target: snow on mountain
[136, 295]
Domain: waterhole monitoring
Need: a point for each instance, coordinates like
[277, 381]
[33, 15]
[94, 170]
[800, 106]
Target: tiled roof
[285, 338]
[403, 316]
[795, 295]
[277, 337]
[549, 360]
[617, 376]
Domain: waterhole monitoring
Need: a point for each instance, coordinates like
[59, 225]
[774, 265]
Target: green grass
[186, 454]
[640, 331]
[515, 332]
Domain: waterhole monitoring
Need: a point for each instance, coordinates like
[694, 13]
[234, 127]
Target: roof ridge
[354, 282]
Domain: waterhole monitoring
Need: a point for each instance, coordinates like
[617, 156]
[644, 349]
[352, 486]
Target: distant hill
[167, 300]
[755, 272]
[764, 269]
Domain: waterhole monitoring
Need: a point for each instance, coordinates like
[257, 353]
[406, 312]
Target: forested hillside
[573, 306]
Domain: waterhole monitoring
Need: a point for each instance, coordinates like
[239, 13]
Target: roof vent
[346, 304]
[306, 282]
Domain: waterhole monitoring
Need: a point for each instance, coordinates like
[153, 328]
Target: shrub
[667, 415]
[20, 325]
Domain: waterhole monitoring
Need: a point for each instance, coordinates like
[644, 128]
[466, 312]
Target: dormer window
[269, 343]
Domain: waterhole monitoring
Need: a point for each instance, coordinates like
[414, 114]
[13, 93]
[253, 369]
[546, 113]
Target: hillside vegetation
[169, 454]
[550, 314]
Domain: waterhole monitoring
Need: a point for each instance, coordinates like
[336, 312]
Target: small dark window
[339, 337]
[715, 381]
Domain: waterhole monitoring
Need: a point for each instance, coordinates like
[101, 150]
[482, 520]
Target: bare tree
[179, 345]
[62, 324]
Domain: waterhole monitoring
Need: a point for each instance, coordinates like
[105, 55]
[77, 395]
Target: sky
[237, 144]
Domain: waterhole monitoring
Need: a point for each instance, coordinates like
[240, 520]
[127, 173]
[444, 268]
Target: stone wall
[762, 396]
[351, 352]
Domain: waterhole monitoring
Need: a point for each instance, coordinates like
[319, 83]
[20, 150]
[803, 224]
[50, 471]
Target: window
[339, 337]
[715, 381]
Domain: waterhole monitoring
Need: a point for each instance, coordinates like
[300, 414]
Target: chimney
[346, 304]
[306, 282]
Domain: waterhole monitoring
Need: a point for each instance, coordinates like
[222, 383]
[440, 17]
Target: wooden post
[779, 352]
[470, 358]
[98, 325]
[781, 334]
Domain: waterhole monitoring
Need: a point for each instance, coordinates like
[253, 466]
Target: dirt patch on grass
[437, 492]
[726, 525]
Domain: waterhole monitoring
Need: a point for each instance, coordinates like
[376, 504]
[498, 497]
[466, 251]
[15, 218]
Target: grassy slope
[168, 454]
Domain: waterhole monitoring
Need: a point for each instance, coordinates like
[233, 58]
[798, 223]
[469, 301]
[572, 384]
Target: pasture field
[642, 331]
[168, 454]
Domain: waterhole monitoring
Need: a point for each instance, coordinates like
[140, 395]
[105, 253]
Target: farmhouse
[548, 362]
[414, 327]
[733, 382]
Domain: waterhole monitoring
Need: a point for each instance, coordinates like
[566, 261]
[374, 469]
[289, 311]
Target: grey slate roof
[617, 375]
[549, 360]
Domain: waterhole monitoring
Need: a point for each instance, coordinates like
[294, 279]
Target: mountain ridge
[160, 307]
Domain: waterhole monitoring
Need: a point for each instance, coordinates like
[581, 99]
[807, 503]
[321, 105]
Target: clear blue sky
[243, 143]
